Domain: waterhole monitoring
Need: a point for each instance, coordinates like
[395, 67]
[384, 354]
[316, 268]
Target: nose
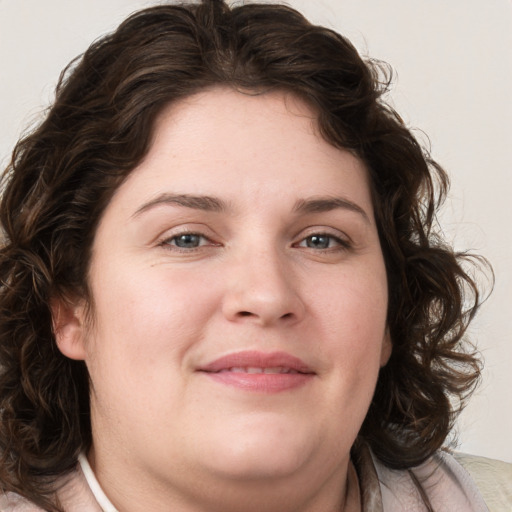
[261, 288]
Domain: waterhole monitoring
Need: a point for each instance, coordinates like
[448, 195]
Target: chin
[259, 452]
[257, 466]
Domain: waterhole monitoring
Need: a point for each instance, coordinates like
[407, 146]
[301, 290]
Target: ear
[69, 328]
[386, 348]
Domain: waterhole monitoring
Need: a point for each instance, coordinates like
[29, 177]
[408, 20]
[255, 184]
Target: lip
[231, 370]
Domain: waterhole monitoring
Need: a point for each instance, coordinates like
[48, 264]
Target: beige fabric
[446, 484]
[493, 478]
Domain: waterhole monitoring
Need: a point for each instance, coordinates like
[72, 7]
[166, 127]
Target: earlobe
[69, 327]
[386, 349]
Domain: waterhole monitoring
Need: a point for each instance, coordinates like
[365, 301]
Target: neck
[297, 493]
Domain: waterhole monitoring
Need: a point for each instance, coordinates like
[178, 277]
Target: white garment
[101, 497]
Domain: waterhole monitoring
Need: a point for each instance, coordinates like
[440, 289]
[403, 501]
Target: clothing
[493, 479]
[448, 486]
[445, 483]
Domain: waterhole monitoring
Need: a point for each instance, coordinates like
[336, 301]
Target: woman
[221, 284]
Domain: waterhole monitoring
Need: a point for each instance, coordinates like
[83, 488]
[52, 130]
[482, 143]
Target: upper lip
[256, 359]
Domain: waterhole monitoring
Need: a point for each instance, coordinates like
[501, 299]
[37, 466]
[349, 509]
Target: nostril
[248, 313]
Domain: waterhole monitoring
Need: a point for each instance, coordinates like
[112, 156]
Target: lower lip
[262, 382]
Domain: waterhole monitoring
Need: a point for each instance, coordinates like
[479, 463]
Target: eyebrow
[214, 204]
[206, 203]
[326, 204]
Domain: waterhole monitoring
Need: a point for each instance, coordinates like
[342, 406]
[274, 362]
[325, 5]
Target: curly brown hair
[63, 175]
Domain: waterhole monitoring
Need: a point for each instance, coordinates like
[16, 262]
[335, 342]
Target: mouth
[259, 372]
[255, 370]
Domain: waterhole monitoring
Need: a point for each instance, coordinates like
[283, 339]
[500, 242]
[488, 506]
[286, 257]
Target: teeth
[279, 369]
[275, 370]
[253, 369]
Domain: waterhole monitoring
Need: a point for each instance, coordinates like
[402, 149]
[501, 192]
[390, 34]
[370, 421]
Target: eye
[323, 241]
[187, 241]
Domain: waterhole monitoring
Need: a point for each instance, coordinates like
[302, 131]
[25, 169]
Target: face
[239, 301]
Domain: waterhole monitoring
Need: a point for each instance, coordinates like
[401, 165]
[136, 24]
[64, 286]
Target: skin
[258, 274]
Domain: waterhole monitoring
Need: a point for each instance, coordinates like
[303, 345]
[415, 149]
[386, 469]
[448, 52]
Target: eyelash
[339, 243]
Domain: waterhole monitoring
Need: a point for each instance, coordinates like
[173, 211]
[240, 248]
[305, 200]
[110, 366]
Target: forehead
[222, 117]
[222, 141]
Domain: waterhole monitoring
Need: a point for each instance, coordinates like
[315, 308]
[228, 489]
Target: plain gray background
[453, 63]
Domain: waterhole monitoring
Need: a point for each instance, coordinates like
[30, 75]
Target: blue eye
[318, 241]
[187, 240]
[322, 241]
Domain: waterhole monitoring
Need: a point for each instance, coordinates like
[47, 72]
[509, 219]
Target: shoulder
[492, 477]
[12, 502]
[440, 479]
[72, 493]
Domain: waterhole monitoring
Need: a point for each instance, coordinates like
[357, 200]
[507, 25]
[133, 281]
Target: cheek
[149, 310]
[353, 326]
[354, 303]
[145, 321]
